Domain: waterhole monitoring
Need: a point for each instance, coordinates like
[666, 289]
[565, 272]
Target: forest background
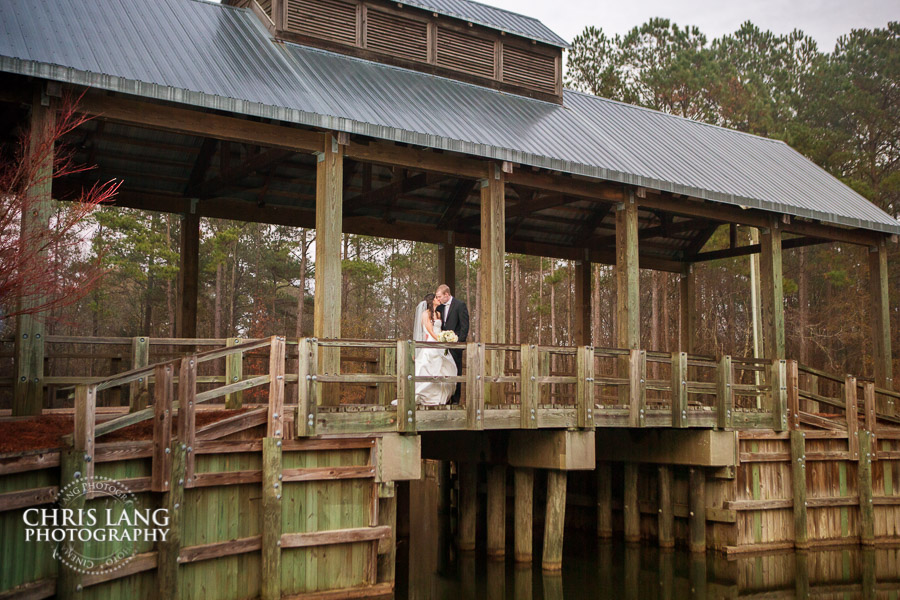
[841, 109]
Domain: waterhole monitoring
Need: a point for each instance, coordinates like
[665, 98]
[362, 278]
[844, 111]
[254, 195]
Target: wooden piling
[492, 305]
[554, 522]
[162, 427]
[139, 391]
[387, 516]
[584, 388]
[271, 517]
[851, 409]
[724, 393]
[406, 386]
[529, 387]
[496, 511]
[628, 299]
[666, 508]
[387, 362]
[630, 509]
[879, 284]
[524, 512]
[71, 469]
[604, 500]
[679, 389]
[168, 572]
[866, 507]
[637, 387]
[187, 412]
[188, 271]
[275, 415]
[697, 514]
[475, 386]
[468, 499]
[307, 402]
[771, 290]
[798, 485]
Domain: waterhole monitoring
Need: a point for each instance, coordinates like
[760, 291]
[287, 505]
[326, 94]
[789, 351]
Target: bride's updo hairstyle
[429, 305]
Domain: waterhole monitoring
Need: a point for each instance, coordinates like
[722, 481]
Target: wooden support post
[724, 393]
[387, 547]
[604, 500]
[544, 366]
[778, 403]
[139, 392]
[234, 372]
[162, 427]
[524, 513]
[493, 275]
[329, 217]
[71, 468]
[305, 420]
[852, 415]
[630, 510]
[496, 511]
[529, 387]
[387, 360]
[468, 501]
[866, 507]
[628, 299]
[637, 387]
[555, 520]
[188, 277]
[271, 519]
[168, 572]
[406, 386]
[84, 425]
[869, 410]
[447, 265]
[687, 285]
[475, 369]
[275, 417]
[792, 382]
[28, 389]
[798, 482]
[583, 302]
[584, 388]
[697, 513]
[772, 290]
[881, 321]
[679, 389]
[698, 577]
[187, 423]
[666, 508]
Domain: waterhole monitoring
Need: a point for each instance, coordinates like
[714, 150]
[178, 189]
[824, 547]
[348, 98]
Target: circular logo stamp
[97, 524]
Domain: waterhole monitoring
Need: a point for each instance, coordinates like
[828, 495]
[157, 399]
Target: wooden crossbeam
[201, 165]
[754, 249]
[386, 193]
[255, 163]
[455, 203]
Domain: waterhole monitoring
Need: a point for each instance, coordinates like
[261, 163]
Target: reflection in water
[430, 568]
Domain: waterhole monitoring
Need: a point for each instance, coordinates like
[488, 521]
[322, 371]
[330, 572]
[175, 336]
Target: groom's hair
[443, 288]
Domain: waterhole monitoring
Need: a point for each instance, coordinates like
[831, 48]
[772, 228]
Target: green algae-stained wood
[666, 508]
[864, 474]
[697, 515]
[554, 520]
[167, 570]
[524, 514]
[798, 485]
[72, 467]
[234, 372]
[139, 391]
[271, 518]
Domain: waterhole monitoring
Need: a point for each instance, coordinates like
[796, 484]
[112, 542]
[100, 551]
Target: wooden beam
[188, 121]
[468, 501]
[493, 274]
[598, 190]
[386, 193]
[666, 508]
[697, 518]
[447, 265]
[28, 392]
[188, 277]
[604, 500]
[258, 162]
[201, 165]
[881, 322]
[798, 487]
[417, 159]
[772, 290]
[632, 514]
[798, 242]
[329, 206]
[455, 203]
[687, 287]
[271, 519]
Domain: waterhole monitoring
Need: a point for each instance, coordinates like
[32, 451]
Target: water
[430, 568]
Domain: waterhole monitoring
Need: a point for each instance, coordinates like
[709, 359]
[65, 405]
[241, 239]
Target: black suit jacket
[457, 320]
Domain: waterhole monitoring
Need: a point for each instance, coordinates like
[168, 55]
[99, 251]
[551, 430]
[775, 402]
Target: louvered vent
[465, 53]
[266, 5]
[328, 19]
[400, 37]
[529, 69]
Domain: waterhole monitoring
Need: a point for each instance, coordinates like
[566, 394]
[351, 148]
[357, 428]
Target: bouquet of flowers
[447, 337]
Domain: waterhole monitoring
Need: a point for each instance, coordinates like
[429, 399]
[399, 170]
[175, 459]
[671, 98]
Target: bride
[431, 361]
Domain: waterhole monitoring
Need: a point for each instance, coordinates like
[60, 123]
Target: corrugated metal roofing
[493, 17]
[219, 57]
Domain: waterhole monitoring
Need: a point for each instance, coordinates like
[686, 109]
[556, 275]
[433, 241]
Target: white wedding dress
[433, 361]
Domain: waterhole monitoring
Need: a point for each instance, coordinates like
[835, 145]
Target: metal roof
[220, 57]
[493, 17]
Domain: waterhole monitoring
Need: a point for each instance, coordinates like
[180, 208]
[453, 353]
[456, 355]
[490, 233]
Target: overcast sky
[823, 20]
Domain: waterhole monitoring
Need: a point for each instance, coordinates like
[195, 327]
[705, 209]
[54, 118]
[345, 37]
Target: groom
[455, 317]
